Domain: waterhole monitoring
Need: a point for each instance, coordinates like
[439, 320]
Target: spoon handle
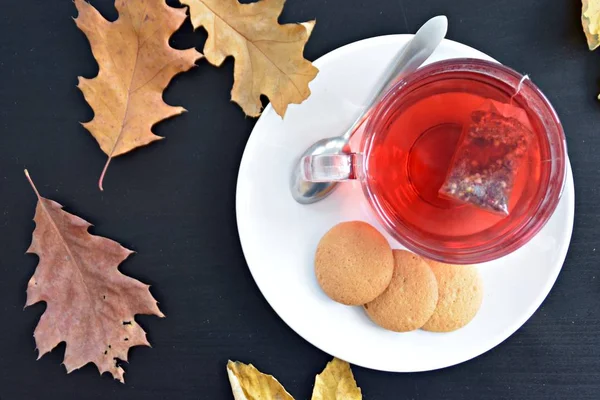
[407, 61]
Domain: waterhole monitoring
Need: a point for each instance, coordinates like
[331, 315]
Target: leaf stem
[104, 172]
[32, 184]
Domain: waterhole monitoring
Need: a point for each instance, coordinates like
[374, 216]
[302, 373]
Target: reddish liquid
[410, 157]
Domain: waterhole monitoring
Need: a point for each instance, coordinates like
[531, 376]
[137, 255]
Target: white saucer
[279, 236]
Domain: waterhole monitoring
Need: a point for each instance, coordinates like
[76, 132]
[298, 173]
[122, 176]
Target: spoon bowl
[306, 192]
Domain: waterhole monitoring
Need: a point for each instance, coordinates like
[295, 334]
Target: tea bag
[492, 147]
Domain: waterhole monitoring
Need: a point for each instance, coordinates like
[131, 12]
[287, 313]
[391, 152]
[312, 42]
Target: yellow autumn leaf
[590, 18]
[336, 382]
[248, 383]
[136, 64]
[268, 56]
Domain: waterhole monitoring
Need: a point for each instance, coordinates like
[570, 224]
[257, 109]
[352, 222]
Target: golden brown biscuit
[460, 296]
[354, 263]
[410, 299]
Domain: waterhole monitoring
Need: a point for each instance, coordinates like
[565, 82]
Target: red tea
[410, 159]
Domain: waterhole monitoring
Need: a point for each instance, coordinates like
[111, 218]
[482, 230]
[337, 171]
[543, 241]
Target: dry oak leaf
[336, 382]
[248, 383]
[590, 18]
[268, 56]
[90, 304]
[136, 64]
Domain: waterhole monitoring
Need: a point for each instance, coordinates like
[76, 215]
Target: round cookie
[460, 295]
[353, 263]
[410, 299]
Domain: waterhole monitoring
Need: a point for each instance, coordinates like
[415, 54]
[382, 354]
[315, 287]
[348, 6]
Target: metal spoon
[407, 61]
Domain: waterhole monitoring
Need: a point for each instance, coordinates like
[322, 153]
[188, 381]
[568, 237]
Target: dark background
[173, 203]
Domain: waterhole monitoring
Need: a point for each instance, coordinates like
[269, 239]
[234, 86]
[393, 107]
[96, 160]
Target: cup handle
[332, 167]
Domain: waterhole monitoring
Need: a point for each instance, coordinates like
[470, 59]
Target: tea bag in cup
[492, 147]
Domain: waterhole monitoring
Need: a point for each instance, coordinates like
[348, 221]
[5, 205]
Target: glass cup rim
[537, 217]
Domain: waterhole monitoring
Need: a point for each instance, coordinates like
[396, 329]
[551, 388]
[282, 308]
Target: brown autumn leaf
[90, 304]
[136, 64]
[268, 56]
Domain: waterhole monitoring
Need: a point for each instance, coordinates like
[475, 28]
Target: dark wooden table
[173, 203]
